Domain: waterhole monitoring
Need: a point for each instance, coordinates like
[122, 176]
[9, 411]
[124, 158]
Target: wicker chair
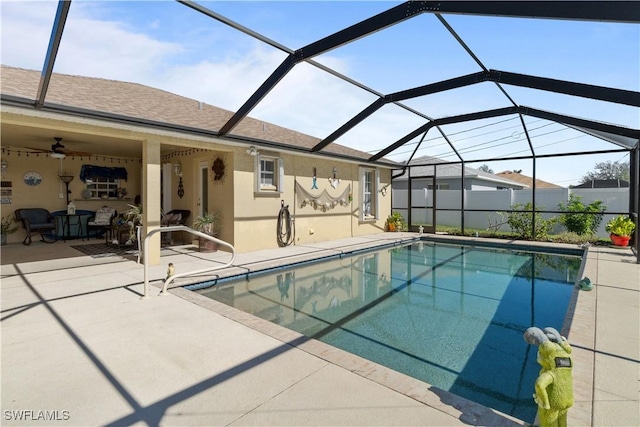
[37, 221]
[101, 222]
[174, 217]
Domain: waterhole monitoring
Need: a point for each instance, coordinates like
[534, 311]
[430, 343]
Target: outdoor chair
[174, 217]
[37, 221]
[102, 221]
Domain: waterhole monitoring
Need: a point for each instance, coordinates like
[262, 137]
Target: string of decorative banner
[20, 153]
[182, 153]
[27, 153]
[323, 201]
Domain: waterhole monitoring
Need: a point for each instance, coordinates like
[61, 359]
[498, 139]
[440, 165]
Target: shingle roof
[452, 170]
[144, 102]
[603, 183]
[527, 180]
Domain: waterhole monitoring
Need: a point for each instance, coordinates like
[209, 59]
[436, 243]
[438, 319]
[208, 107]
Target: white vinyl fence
[615, 199]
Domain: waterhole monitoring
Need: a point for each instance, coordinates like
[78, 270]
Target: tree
[608, 170]
[485, 168]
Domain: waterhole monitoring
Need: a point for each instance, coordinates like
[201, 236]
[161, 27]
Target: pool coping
[581, 311]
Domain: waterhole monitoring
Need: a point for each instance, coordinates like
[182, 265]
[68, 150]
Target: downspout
[409, 201]
[462, 196]
[404, 171]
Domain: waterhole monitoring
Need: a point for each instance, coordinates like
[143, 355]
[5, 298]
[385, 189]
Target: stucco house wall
[248, 219]
[256, 215]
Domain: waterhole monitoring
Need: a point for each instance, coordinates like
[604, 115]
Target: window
[101, 188]
[269, 174]
[439, 186]
[369, 183]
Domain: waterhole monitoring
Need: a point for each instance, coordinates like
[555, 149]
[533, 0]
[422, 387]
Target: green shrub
[520, 222]
[582, 223]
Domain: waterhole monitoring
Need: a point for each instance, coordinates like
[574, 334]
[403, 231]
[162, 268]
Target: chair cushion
[171, 219]
[103, 216]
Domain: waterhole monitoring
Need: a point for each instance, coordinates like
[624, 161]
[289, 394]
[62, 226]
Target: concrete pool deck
[79, 343]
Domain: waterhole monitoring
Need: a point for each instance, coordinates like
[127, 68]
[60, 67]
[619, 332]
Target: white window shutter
[375, 192]
[257, 167]
[280, 175]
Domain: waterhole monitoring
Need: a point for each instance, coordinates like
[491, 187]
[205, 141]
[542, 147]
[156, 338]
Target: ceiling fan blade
[39, 149]
[77, 153]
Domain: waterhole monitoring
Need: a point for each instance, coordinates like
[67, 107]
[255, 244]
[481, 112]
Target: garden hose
[285, 231]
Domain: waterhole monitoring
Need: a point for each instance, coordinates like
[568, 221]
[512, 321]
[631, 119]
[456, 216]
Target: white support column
[151, 197]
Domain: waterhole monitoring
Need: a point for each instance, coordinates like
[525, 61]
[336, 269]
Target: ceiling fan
[58, 151]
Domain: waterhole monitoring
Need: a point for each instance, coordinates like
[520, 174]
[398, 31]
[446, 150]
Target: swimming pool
[450, 315]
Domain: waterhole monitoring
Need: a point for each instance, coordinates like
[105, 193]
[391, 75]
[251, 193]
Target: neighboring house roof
[144, 102]
[527, 180]
[452, 171]
[603, 183]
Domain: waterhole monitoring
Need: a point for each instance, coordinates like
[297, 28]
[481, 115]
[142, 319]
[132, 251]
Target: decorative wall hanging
[334, 181]
[6, 192]
[180, 188]
[323, 201]
[32, 178]
[314, 185]
[218, 167]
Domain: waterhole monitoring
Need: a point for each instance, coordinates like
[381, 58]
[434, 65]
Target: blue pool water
[450, 315]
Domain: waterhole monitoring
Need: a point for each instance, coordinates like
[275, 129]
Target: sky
[166, 45]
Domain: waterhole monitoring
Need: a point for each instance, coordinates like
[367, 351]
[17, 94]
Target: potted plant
[8, 227]
[620, 229]
[396, 222]
[208, 223]
[133, 218]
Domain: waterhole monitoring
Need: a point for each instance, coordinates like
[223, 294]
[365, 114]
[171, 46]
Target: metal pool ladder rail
[172, 278]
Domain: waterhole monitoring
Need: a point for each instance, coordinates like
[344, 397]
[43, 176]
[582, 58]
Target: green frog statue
[554, 385]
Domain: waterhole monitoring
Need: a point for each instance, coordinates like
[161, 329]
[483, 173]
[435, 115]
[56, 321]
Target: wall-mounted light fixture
[177, 168]
[252, 151]
[4, 166]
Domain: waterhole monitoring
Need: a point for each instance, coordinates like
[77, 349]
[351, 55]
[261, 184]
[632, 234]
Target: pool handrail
[145, 260]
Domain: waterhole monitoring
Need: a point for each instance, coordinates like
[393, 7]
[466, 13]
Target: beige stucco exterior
[249, 219]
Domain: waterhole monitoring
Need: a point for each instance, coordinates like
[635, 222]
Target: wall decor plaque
[32, 178]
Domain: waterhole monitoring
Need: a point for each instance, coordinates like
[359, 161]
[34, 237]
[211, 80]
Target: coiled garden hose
[286, 230]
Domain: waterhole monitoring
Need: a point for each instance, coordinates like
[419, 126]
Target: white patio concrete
[78, 341]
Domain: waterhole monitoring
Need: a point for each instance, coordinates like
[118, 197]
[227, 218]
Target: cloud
[226, 84]
[211, 64]
[26, 28]
[307, 99]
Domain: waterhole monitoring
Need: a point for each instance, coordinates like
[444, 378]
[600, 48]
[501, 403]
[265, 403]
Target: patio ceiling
[470, 71]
